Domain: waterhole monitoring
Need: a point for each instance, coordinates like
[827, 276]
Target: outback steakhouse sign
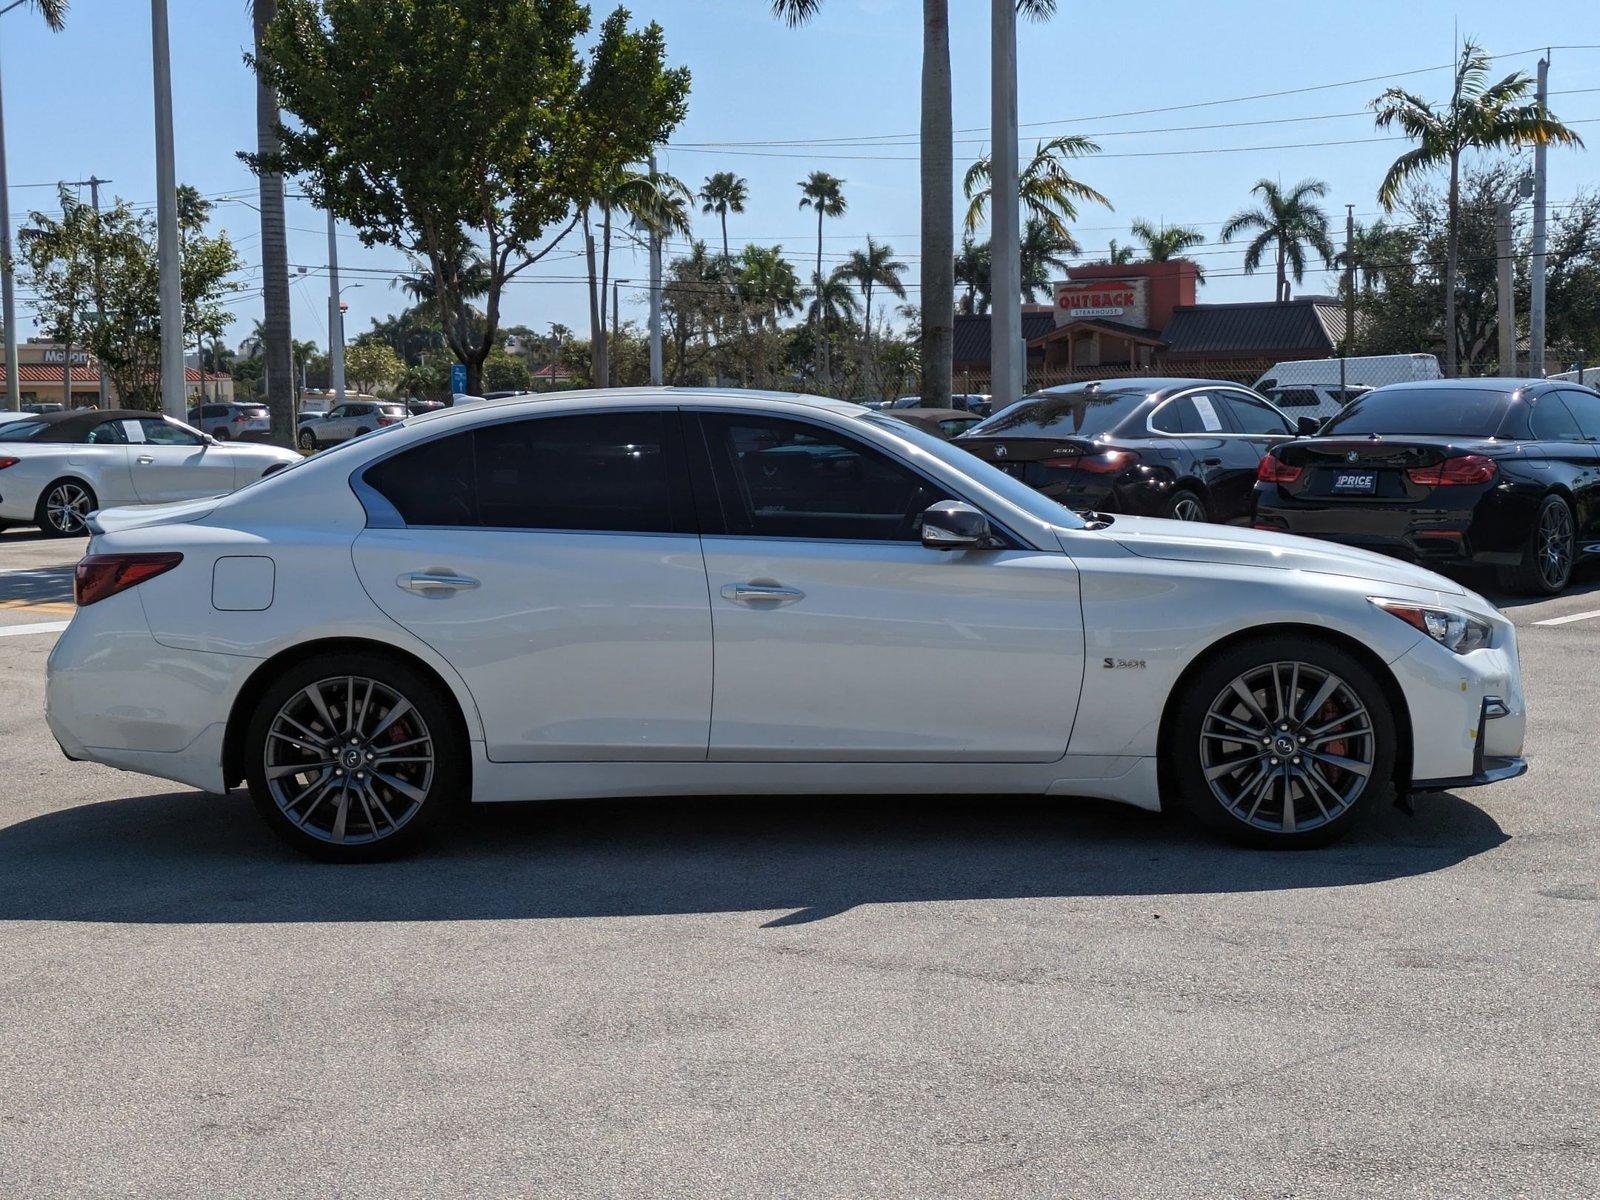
[1095, 298]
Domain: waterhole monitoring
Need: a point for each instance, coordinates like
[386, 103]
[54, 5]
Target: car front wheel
[1281, 743]
[354, 757]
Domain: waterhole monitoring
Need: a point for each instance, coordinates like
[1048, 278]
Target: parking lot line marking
[1583, 616]
[39, 606]
[38, 627]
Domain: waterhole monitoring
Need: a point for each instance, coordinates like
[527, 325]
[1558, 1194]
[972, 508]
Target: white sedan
[664, 592]
[57, 469]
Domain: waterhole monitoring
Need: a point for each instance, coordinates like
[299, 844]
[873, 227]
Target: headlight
[1451, 629]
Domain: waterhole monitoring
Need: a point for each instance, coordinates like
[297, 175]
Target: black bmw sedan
[1449, 473]
[1181, 448]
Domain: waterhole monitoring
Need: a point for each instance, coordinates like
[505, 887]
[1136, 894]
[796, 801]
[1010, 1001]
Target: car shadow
[1585, 581]
[37, 585]
[189, 857]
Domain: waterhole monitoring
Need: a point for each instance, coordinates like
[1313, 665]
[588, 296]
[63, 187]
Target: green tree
[1163, 243]
[430, 133]
[869, 269]
[1479, 116]
[824, 193]
[1289, 221]
[371, 364]
[1042, 248]
[1048, 191]
[1120, 254]
[972, 274]
[768, 282]
[724, 193]
[937, 182]
[506, 373]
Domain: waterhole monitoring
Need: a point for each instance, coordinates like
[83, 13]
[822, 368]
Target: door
[554, 563]
[1257, 428]
[1575, 442]
[839, 637]
[170, 462]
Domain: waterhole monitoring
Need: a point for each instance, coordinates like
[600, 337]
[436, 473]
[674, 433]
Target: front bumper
[1486, 767]
[1468, 713]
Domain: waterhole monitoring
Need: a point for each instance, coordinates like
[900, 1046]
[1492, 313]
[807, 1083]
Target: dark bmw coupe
[1181, 448]
[1450, 473]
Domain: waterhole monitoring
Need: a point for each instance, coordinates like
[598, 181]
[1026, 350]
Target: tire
[1296, 799]
[1185, 505]
[316, 809]
[64, 507]
[362, 432]
[307, 441]
[1547, 554]
[221, 434]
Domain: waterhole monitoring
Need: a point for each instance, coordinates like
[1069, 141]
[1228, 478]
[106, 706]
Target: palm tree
[767, 280]
[972, 273]
[937, 184]
[832, 300]
[825, 193]
[722, 194]
[1480, 116]
[1119, 254]
[1163, 243]
[871, 268]
[1378, 251]
[274, 246]
[1290, 221]
[1042, 248]
[1047, 191]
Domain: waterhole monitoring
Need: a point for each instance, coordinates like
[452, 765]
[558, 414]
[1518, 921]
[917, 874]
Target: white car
[658, 592]
[57, 468]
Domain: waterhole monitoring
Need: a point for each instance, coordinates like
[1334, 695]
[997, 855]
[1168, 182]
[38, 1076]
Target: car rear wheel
[308, 441]
[1184, 505]
[64, 508]
[1281, 743]
[221, 433]
[1547, 555]
[354, 758]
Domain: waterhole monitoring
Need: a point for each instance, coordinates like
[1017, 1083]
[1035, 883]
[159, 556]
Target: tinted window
[107, 433]
[777, 478]
[20, 431]
[162, 433]
[1295, 397]
[1071, 414]
[610, 471]
[1250, 415]
[1447, 412]
[1549, 421]
[1176, 416]
[1585, 408]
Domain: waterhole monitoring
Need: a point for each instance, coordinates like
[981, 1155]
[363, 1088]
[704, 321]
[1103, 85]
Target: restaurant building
[40, 366]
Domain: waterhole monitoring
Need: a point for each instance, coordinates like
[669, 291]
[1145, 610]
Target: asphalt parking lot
[887, 997]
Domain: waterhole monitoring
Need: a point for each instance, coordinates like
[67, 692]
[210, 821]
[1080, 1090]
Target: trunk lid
[1037, 462]
[1372, 468]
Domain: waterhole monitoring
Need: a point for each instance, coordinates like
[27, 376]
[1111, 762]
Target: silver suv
[232, 421]
[348, 420]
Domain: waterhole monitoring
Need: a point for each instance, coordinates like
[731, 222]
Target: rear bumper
[1430, 536]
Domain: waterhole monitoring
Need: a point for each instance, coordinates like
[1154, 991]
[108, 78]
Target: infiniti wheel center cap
[351, 758]
[1283, 745]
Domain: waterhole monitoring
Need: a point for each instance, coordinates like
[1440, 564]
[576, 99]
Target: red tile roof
[51, 373]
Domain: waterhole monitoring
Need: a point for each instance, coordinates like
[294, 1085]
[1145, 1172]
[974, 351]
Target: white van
[1310, 387]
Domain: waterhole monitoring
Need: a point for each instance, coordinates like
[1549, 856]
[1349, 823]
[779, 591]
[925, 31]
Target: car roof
[938, 414]
[1151, 384]
[545, 403]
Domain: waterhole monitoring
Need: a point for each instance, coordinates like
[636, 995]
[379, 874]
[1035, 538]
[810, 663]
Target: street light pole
[173, 380]
[1007, 365]
[8, 298]
[335, 317]
[1536, 268]
[655, 290]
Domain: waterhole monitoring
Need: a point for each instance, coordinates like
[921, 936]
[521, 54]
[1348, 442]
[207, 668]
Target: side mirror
[952, 525]
[1306, 426]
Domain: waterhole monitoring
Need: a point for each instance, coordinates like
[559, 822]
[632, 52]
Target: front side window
[1296, 397]
[610, 472]
[1549, 421]
[781, 478]
[1585, 409]
[107, 433]
[163, 433]
[1251, 415]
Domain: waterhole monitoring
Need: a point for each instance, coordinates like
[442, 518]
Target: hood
[1190, 541]
[140, 516]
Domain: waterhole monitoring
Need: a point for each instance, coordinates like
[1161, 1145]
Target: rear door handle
[425, 582]
[1210, 462]
[757, 593]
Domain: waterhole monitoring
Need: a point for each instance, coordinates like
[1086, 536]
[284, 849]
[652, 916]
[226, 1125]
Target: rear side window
[606, 472]
[1189, 414]
[787, 479]
[1444, 412]
[1295, 397]
[1070, 414]
[1549, 421]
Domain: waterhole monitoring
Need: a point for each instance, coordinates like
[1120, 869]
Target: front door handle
[144, 460]
[1210, 462]
[761, 593]
[427, 582]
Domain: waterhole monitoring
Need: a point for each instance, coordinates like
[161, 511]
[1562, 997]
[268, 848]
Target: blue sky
[79, 102]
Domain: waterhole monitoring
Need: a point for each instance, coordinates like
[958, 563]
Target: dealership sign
[1077, 300]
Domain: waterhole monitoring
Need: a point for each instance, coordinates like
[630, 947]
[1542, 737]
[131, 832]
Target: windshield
[1034, 503]
[1071, 414]
[1444, 412]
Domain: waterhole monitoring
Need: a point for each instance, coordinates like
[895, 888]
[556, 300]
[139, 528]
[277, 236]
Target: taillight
[240, 419]
[1107, 463]
[101, 575]
[385, 420]
[1464, 468]
[8, 462]
[1274, 470]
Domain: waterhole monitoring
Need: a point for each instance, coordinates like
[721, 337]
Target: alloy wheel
[1287, 747]
[349, 760]
[1188, 509]
[67, 507]
[1555, 546]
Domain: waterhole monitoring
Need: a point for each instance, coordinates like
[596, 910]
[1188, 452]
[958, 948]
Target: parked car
[973, 402]
[690, 592]
[348, 420]
[417, 407]
[38, 409]
[946, 422]
[1181, 448]
[1503, 473]
[1320, 387]
[233, 421]
[57, 468]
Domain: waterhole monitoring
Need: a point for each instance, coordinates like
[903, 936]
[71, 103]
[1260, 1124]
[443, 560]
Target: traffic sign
[458, 377]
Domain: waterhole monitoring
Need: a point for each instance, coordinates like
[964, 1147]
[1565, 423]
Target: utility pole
[1349, 295]
[1507, 317]
[1007, 364]
[173, 380]
[8, 298]
[335, 316]
[655, 290]
[1536, 309]
[93, 184]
